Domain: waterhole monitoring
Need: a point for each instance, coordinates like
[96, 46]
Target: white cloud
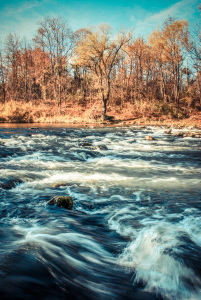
[21, 18]
[184, 9]
[24, 6]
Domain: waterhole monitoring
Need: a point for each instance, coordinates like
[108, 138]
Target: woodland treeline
[96, 64]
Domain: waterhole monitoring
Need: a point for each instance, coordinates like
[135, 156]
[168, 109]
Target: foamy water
[134, 231]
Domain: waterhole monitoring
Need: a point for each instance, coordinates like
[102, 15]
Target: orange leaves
[170, 40]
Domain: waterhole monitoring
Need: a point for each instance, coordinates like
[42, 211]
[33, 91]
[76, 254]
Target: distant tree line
[94, 64]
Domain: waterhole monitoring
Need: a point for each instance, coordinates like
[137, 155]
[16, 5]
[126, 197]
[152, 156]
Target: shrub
[21, 116]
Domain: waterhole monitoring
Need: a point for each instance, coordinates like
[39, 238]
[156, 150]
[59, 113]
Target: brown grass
[139, 113]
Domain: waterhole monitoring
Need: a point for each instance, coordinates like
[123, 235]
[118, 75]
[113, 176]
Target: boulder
[197, 136]
[149, 138]
[62, 201]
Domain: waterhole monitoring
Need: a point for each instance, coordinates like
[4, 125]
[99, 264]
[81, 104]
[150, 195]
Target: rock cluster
[178, 134]
[184, 134]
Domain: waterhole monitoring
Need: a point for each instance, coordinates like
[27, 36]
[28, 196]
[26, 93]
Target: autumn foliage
[94, 71]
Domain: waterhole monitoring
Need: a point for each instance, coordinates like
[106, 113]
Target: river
[134, 231]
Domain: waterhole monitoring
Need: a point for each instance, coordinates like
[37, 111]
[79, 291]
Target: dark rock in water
[86, 144]
[56, 185]
[149, 138]
[10, 184]
[62, 201]
[2, 168]
[179, 134]
[103, 147]
[189, 134]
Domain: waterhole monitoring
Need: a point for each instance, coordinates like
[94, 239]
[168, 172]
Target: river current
[134, 231]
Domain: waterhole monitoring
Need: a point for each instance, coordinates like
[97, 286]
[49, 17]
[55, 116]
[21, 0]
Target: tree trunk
[104, 108]
[59, 99]
[4, 94]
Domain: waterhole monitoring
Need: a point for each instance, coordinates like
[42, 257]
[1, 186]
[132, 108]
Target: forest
[95, 72]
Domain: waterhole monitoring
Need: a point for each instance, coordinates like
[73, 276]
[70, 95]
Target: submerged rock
[89, 205]
[103, 147]
[189, 134]
[86, 144]
[56, 185]
[62, 201]
[91, 147]
[149, 138]
[179, 134]
[10, 184]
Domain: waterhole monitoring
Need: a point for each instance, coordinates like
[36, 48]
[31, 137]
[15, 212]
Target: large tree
[99, 51]
[55, 37]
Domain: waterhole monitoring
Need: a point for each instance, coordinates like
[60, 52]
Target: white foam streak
[147, 256]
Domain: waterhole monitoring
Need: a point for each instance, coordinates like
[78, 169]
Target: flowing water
[134, 231]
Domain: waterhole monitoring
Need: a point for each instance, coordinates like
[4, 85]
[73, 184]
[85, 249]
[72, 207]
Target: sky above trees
[21, 17]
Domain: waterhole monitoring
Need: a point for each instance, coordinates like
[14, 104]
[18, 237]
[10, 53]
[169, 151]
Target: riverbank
[90, 114]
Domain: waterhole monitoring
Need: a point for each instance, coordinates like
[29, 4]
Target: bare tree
[55, 37]
[12, 54]
[2, 77]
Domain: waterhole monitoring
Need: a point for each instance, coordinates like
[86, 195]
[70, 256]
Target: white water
[135, 229]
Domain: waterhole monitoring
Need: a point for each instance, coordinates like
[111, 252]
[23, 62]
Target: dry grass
[139, 113]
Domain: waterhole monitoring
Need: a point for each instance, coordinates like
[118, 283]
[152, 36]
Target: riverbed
[134, 231]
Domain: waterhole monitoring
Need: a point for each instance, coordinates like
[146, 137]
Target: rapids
[134, 231]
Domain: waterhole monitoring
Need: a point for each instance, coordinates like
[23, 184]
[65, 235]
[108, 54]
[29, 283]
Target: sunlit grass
[138, 112]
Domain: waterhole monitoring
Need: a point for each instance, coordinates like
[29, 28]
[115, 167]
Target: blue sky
[143, 16]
